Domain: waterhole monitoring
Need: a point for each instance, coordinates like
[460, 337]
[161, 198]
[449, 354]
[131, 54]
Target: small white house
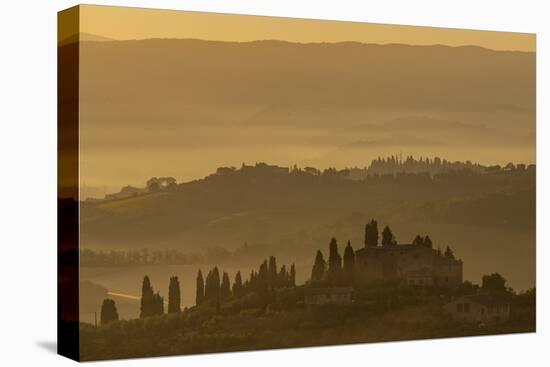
[478, 308]
[325, 296]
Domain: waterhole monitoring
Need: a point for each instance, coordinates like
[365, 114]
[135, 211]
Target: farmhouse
[324, 296]
[479, 308]
[407, 264]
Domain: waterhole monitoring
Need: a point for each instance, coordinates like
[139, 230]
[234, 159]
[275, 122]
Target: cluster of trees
[145, 256]
[493, 282]
[423, 241]
[388, 239]
[160, 183]
[427, 242]
[336, 272]
[371, 235]
[268, 277]
[151, 303]
[395, 164]
[138, 257]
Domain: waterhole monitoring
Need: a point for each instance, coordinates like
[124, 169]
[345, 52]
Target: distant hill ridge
[390, 165]
[84, 36]
[344, 74]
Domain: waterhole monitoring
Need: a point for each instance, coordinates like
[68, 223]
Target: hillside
[287, 323]
[293, 215]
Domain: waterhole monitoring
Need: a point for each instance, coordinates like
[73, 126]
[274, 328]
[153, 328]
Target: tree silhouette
[449, 253]
[428, 242]
[349, 264]
[292, 276]
[494, 282]
[174, 297]
[212, 286]
[272, 272]
[225, 289]
[418, 240]
[238, 285]
[318, 271]
[262, 279]
[334, 262]
[371, 233]
[147, 298]
[284, 277]
[387, 237]
[199, 298]
[108, 311]
[158, 304]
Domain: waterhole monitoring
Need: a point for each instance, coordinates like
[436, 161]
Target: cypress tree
[109, 312]
[449, 253]
[428, 242]
[174, 296]
[212, 288]
[263, 277]
[318, 271]
[387, 237]
[253, 280]
[349, 264]
[147, 301]
[292, 276]
[283, 277]
[371, 233]
[208, 286]
[157, 305]
[225, 288]
[199, 298]
[238, 285]
[272, 272]
[334, 262]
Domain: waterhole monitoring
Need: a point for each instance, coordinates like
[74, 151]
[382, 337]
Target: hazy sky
[136, 23]
[185, 108]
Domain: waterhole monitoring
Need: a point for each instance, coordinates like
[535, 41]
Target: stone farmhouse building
[407, 264]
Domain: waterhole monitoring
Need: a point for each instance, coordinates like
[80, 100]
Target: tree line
[144, 256]
[212, 290]
[151, 302]
[216, 288]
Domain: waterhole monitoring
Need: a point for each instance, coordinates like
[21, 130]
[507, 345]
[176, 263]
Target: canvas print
[234, 182]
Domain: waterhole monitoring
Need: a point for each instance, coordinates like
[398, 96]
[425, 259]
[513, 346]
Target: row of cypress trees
[336, 272]
[153, 303]
[267, 277]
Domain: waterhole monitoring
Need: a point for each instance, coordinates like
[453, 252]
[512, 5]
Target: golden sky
[137, 23]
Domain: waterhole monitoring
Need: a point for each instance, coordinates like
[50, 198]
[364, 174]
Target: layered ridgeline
[486, 213]
[183, 108]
